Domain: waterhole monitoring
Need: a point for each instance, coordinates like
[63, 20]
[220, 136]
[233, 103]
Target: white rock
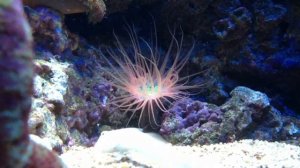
[148, 148]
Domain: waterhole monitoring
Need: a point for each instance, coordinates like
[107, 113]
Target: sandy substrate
[121, 153]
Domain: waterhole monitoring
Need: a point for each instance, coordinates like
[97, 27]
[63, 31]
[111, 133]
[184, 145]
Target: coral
[86, 100]
[69, 102]
[251, 43]
[246, 115]
[60, 106]
[100, 92]
[187, 120]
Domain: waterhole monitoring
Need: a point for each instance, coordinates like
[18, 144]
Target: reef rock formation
[70, 100]
[188, 119]
[49, 31]
[16, 76]
[246, 115]
[253, 32]
[95, 8]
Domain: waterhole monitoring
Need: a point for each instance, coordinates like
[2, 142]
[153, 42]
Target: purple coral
[187, 114]
[101, 92]
[92, 107]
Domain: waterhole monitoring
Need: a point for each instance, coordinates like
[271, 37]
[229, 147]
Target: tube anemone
[150, 83]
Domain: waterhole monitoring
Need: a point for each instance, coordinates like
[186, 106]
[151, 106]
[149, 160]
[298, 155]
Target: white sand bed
[131, 148]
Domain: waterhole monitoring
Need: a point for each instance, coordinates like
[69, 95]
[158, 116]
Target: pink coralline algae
[16, 73]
